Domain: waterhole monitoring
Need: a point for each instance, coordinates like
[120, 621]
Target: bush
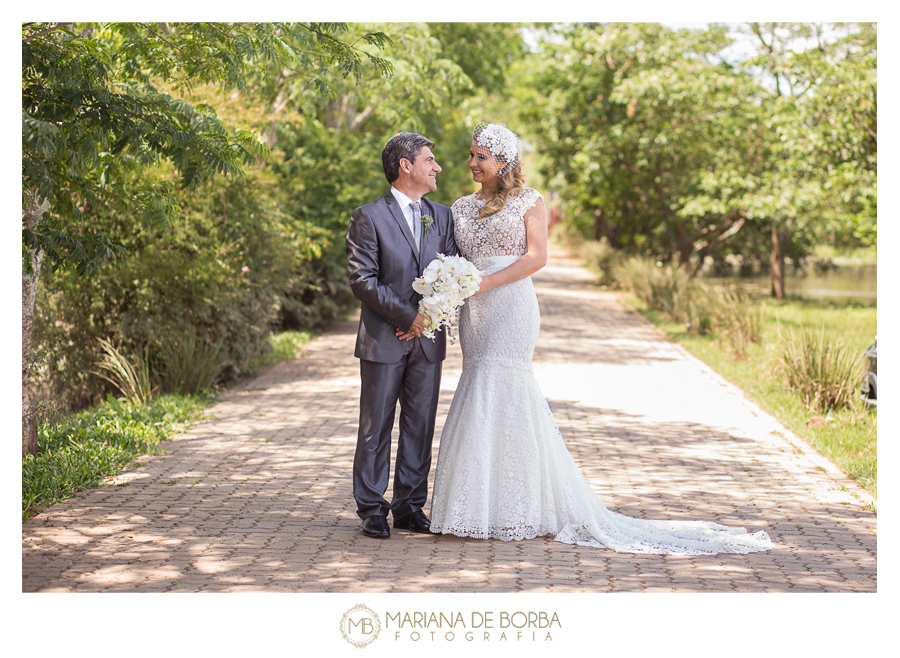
[198, 298]
[823, 369]
[600, 257]
[248, 256]
[701, 310]
[730, 314]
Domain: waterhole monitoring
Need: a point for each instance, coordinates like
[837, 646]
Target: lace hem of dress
[732, 540]
[504, 534]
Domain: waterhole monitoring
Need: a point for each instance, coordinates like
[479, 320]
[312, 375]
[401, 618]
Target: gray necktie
[417, 220]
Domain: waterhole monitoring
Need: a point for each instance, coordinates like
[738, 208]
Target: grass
[80, 451]
[858, 256]
[285, 345]
[83, 450]
[848, 437]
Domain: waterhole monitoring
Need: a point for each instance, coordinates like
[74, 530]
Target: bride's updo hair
[504, 145]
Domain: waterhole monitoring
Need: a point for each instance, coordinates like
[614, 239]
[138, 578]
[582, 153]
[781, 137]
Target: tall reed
[132, 379]
[738, 320]
[823, 369]
[599, 256]
[667, 289]
[189, 367]
[730, 314]
[701, 309]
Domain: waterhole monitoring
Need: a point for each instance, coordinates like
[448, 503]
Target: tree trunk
[30, 218]
[780, 241]
[342, 112]
[684, 244]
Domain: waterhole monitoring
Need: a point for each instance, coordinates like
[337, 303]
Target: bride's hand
[485, 285]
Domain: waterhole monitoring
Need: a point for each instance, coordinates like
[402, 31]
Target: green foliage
[662, 288]
[701, 311]
[820, 176]
[225, 53]
[80, 451]
[92, 116]
[286, 345]
[484, 51]
[262, 252]
[824, 370]
[601, 258]
[634, 114]
[206, 290]
[658, 143]
[729, 314]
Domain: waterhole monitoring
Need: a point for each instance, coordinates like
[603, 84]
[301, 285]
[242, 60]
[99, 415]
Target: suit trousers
[415, 382]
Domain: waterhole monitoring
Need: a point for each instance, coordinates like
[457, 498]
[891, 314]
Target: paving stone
[258, 496]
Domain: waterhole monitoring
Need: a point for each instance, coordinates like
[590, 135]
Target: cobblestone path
[257, 497]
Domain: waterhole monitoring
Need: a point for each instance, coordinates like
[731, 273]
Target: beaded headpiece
[502, 142]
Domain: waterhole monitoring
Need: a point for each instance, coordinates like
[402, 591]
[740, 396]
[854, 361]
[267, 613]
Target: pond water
[847, 283]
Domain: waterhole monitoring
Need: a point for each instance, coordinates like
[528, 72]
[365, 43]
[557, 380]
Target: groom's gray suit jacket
[383, 261]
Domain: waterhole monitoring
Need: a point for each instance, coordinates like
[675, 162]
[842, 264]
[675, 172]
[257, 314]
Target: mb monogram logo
[360, 626]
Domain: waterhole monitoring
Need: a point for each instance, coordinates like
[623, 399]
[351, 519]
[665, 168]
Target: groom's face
[423, 172]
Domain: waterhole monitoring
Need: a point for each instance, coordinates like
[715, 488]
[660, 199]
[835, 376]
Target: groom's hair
[401, 145]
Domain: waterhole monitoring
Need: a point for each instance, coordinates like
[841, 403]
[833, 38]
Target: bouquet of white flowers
[446, 283]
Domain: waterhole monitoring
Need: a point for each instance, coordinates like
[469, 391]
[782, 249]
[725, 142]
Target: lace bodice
[500, 234]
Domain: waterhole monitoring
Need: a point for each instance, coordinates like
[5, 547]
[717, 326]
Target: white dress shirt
[405, 202]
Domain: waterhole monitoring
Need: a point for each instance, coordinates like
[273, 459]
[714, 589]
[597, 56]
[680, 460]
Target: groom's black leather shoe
[416, 522]
[376, 526]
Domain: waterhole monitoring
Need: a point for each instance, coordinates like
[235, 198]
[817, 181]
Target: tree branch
[46, 30]
[159, 36]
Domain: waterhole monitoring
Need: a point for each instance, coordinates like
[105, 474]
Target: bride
[503, 470]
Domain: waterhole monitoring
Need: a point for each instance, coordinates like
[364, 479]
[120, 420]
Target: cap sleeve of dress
[526, 200]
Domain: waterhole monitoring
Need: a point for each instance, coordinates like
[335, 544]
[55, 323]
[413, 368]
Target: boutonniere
[427, 221]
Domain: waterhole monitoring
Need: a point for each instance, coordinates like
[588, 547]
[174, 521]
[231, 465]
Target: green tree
[283, 220]
[332, 151]
[821, 110]
[636, 116]
[663, 147]
[95, 112]
[484, 51]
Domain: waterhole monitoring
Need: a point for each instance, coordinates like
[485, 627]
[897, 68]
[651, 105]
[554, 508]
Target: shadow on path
[258, 496]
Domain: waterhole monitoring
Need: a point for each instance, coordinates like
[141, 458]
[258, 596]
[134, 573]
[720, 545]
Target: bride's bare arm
[532, 260]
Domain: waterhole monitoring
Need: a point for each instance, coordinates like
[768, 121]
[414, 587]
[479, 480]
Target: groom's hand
[415, 330]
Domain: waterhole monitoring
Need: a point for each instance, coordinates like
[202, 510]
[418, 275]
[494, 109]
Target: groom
[389, 243]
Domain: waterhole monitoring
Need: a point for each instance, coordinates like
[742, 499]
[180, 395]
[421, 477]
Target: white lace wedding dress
[503, 469]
